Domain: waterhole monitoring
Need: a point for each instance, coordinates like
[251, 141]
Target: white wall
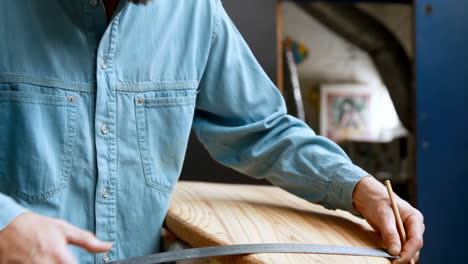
[333, 59]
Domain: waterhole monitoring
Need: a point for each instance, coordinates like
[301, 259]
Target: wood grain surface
[209, 214]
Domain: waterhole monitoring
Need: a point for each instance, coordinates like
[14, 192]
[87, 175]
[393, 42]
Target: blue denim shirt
[95, 118]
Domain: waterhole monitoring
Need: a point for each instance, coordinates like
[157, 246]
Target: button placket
[106, 148]
[93, 2]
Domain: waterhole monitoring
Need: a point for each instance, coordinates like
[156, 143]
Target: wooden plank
[211, 214]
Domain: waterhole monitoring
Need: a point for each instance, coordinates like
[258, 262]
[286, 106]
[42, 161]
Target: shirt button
[103, 64]
[105, 257]
[104, 129]
[105, 192]
[93, 2]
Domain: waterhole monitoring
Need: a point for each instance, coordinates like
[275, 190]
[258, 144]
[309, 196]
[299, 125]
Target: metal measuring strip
[243, 249]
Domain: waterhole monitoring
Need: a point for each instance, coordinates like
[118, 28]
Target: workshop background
[386, 80]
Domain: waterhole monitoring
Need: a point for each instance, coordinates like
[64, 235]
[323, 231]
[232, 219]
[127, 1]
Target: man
[95, 119]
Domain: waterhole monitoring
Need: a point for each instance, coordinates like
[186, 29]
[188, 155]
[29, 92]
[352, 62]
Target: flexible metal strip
[254, 248]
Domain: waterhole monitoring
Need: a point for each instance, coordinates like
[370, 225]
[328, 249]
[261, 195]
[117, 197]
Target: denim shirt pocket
[37, 135]
[163, 128]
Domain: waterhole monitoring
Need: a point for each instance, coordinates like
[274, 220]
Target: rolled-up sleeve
[9, 209]
[241, 119]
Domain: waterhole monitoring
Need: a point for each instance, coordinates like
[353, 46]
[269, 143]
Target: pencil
[396, 212]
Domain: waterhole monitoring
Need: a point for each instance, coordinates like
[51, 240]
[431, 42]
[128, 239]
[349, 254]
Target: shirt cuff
[343, 182]
[9, 210]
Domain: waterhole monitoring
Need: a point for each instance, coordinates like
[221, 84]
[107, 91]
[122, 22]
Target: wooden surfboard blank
[209, 214]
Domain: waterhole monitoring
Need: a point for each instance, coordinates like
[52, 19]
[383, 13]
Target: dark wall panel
[442, 128]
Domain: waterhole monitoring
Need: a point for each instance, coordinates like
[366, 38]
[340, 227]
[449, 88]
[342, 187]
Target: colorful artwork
[346, 112]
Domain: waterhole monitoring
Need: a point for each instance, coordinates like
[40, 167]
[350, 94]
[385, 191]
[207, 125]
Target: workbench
[210, 214]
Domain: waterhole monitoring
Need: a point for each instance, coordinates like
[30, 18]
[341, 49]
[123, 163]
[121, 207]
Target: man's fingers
[85, 239]
[389, 231]
[409, 251]
[416, 257]
[415, 228]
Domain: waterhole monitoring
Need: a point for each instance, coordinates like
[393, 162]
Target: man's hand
[33, 238]
[371, 199]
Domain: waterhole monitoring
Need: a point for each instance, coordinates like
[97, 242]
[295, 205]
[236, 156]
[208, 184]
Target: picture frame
[346, 112]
